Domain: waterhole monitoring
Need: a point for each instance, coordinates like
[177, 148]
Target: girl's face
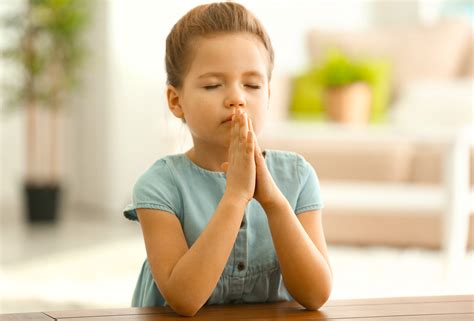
[227, 71]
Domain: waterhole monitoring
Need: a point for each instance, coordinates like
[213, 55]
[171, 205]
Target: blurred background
[376, 95]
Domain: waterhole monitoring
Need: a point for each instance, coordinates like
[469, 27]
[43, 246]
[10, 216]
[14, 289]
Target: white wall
[141, 129]
[119, 123]
[86, 152]
[288, 21]
[12, 151]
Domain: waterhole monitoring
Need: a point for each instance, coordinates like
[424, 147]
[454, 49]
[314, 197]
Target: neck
[208, 156]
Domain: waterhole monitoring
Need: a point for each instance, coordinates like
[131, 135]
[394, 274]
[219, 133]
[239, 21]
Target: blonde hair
[208, 20]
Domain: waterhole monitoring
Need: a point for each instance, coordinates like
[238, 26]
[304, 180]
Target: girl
[225, 222]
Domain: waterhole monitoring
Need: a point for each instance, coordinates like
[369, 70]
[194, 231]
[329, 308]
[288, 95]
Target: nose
[235, 99]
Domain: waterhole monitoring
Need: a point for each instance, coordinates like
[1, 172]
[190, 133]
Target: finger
[257, 153]
[241, 130]
[257, 147]
[243, 127]
[246, 122]
[235, 129]
[250, 143]
[234, 137]
[253, 132]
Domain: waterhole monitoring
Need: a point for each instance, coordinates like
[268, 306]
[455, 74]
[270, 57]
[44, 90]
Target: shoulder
[157, 172]
[281, 157]
[156, 189]
[161, 170]
[287, 161]
[157, 183]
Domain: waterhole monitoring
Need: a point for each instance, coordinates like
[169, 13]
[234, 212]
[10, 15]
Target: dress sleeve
[309, 197]
[155, 189]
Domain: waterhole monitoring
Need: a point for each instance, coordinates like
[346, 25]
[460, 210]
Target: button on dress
[252, 273]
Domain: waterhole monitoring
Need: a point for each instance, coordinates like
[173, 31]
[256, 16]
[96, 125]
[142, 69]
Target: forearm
[196, 274]
[305, 271]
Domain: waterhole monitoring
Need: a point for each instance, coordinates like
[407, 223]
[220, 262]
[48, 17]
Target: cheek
[197, 106]
[200, 114]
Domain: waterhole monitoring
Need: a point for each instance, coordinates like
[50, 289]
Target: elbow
[180, 300]
[185, 309]
[318, 299]
[186, 312]
[315, 304]
[183, 305]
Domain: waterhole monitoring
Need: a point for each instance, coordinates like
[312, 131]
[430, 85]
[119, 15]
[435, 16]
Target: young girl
[225, 222]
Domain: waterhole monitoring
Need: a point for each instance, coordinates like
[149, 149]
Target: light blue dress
[252, 274]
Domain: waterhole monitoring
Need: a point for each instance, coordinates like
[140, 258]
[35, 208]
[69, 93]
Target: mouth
[227, 120]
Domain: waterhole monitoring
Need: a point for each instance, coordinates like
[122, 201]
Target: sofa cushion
[364, 161]
[435, 103]
[428, 164]
[369, 161]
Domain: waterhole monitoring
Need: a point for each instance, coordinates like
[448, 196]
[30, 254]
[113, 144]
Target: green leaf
[49, 32]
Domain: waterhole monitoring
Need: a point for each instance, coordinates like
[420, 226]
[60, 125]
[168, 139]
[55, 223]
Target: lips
[227, 119]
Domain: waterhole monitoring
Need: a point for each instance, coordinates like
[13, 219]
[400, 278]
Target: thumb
[225, 166]
[258, 155]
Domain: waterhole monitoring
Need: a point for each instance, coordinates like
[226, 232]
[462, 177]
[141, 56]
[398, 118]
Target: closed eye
[253, 86]
[209, 87]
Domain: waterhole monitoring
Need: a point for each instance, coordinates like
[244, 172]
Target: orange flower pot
[349, 104]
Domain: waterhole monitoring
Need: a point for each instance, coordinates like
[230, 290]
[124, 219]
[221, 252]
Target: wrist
[235, 199]
[278, 201]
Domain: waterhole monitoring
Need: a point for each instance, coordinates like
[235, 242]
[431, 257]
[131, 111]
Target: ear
[174, 105]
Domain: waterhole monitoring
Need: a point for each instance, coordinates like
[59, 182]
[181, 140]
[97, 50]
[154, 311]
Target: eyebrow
[221, 74]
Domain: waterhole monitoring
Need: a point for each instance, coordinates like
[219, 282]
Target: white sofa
[384, 185]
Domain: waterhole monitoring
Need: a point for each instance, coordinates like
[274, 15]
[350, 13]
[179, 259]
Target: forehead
[234, 53]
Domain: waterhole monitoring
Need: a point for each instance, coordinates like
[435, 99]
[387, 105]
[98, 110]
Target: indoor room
[375, 98]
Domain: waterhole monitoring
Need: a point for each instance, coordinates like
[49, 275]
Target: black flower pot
[42, 202]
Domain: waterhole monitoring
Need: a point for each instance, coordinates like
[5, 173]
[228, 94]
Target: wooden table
[436, 308]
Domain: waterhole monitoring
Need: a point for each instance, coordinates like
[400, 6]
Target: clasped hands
[247, 174]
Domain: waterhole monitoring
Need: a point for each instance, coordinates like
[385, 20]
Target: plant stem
[30, 141]
[53, 175]
[57, 77]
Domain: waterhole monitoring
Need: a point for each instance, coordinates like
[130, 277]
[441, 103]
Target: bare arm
[299, 241]
[302, 253]
[187, 277]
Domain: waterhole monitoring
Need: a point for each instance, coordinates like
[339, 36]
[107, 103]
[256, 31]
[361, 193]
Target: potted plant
[338, 89]
[347, 94]
[46, 54]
